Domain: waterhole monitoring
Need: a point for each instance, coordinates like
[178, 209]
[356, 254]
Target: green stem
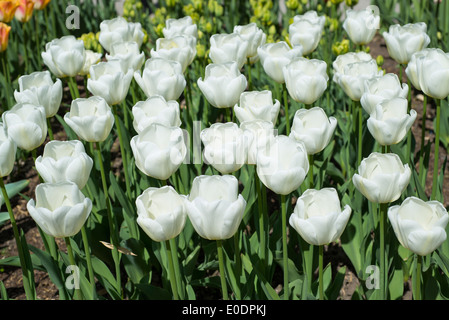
[224, 288]
[284, 246]
[238, 264]
[360, 133]
[177, 269]
[123, 152]
[422, 175]
[8, 80]
[436, 151]
[25, 47]
[228, 114]
[89, 261]
[383, 267]
[409, 134]
[262, 236]
[311, 160]
[287, 117]
[74, 86]
[38, 43]
[28, 278]
[417, 294]
[171, 271]
[50, 130]
[73, 263]
[250, 80]
[320, 273]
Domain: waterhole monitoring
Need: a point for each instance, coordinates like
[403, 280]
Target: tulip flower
[161, 77]
[227, 47]
[412, 67]
[181, 26]
[257, 105]
[403, 41]
[313, 128]
[223, 84]
[64, 161]
[390, 121]
[128, 54]
[318, 217]
[381, 88]
[110, 81]
[254, 36]
[283, 164]
[159, 150]
[258, 134]
[161, 213]
[26, 125]
[306, 31]
[225, 147]
[119, 30]
[156, 110]
[275, 56]
[306, 79]
[8, 9]
[91, 118]
[40, 4]
[65, 56]
[180, 48]
[8, 150]
[361, 25]
[91, 58]
[382, 177]
[215, 207]
[24, 11]
[4, 36]
[60, 209]
[38, 88]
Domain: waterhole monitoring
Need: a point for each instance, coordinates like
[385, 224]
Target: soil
[46, 290]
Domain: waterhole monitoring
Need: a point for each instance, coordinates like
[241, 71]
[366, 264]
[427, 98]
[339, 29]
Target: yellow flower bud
[380, 60]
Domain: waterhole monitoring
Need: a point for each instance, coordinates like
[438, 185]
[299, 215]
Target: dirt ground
[12, 277]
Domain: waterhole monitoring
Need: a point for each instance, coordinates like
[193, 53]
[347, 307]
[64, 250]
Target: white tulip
[65, 56]
[110, 81]
[180, 48]
[227, 47]
[223, 84]
[39, 89]
[313, 128]
[91, 119]
[361, 25]
[254, 36]
[119, 30]
[156, 110]
[225, 147]
[403, 41]
[306, 79]
[60, 208]
[64, 161]
[257, 105]
[275, 56]
[381, 178]
[283, 164]
[129, 55]
[181, 26]
[318, 217]
[390, 121]
[215, 207]
[26, 125]
[8, 150]
[419, 226]
[161, 77]
[161, 213]
[412, 67]
[381, 88]
[159, 150]
[258, 134]
[433, 73]
[91, 58]
[306, 31]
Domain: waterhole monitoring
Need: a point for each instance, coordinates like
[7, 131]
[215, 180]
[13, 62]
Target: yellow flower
[8, 9]
[4, 35]
[40, 4]
[342, 47]
[24, 11]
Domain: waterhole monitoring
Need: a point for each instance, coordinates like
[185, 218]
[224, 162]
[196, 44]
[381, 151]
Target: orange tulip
[25, 10]
[7, 10]
[40, 4]
[4, 35]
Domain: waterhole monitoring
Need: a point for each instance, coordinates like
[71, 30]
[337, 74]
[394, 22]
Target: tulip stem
[224, 288]
[89, 261]
[360, 132]
[250, 80]
[171, 271]
[74, 87]
[262, 236]
[177, 269]
[417, 294]
[320, 273]
[8, 79]
[28, 276]
[76, 278]
[311, 183]
[238, 264]
[383, 270]
[287, 117]
[409, 134]
[50, 130]
[284, 246]
[123, 153]
[436, 151]
[422, 175]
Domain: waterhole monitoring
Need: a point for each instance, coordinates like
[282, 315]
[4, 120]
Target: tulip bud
[318, 218]
[24, 11]
[65, 161]
[26, 125]
[161, 213]
[306, 31]
[180, 48]
[433, 73]
[381, 178]
[254, 36]
[8, 150]
[418, 225]
[361, 25]
[257, 105]
[258, 134]
[40, 4]
[119, 30]
[60, 208]
[4, 36]
[8, 9]
[215, 207]
[228, 47]
[91, 58]
[128, 54]
[181, 26]
[91, 118]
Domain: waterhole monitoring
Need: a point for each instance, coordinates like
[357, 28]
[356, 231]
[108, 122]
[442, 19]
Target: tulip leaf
[105, 277]
[3, 292]
[50, 265]
[14, 188]
[136, 266]
[4, 216]
[153, 292]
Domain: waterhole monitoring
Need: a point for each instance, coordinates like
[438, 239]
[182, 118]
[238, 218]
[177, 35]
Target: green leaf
[50, 265]
[13, 188]
[3, 292]
[153, 292]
